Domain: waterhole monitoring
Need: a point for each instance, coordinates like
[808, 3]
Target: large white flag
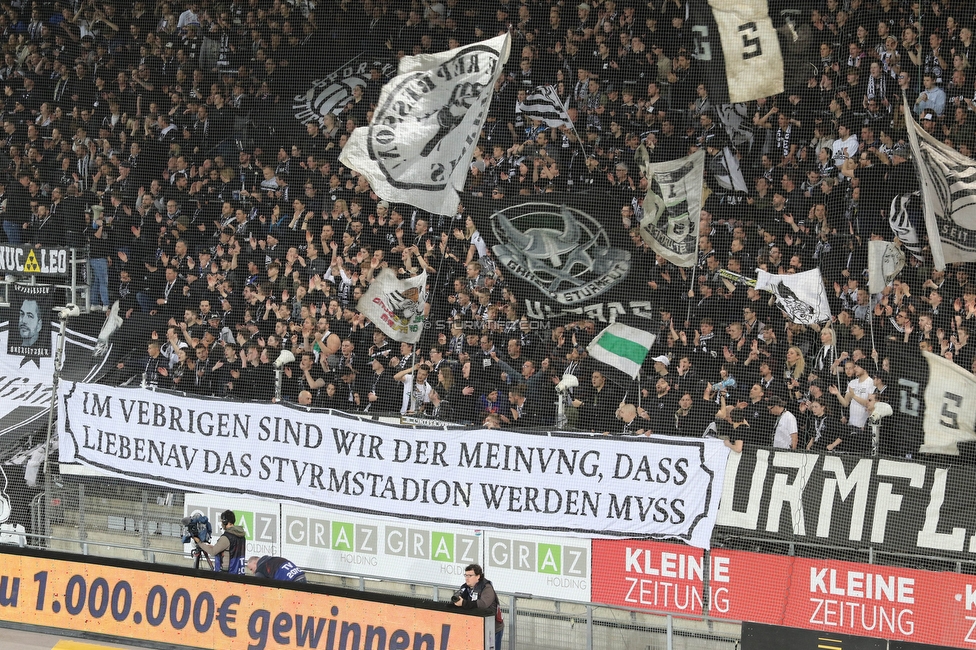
[672, 206]
[949, 398]
[419, 145]
[396, 306]
[543, 103]
[737, 47]
[948, 181]
[801, 295]
[885, 261]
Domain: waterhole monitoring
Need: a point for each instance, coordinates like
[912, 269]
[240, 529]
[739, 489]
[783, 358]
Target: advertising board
[215, 612]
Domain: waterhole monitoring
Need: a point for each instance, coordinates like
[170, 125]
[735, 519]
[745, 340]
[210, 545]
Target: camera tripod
[197, 554]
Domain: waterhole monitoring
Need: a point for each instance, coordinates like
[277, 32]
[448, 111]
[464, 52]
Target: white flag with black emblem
[801, 296]
[948, 182]
[885, 261]
[396, 306]
[672, 206]
[419, 144]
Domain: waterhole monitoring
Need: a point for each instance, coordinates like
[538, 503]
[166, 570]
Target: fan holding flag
[623, 347]
[621, 351]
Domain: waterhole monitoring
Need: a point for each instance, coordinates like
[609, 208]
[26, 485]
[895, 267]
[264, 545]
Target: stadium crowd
[162, 137]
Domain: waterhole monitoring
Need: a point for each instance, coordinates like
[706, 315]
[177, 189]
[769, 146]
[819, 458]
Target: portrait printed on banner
[30, 321]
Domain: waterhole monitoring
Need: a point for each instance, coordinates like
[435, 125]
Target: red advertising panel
[672, 578]
[864, 600]
[650, 575]
[757, 588]
[889, 602]
[826, 595]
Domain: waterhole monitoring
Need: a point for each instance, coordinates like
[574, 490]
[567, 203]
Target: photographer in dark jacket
[276, 568]
[477, 592]
[232, 543]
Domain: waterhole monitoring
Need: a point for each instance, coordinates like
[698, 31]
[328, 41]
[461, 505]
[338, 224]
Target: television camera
[197, 526]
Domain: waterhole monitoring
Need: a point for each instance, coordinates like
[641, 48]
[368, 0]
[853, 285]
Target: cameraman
[276, 568]
[232, 542]
[478, 592]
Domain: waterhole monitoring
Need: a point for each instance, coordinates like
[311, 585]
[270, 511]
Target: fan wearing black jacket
[821, 430]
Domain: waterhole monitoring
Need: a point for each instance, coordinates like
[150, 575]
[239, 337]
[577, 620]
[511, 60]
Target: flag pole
[873, 346]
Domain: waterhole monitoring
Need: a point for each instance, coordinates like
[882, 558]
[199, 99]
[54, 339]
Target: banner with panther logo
[562, 254]
[419, 144]
[672, 206]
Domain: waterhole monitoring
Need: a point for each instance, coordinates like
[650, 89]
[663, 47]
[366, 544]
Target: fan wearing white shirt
[845, 146]
[856, 397]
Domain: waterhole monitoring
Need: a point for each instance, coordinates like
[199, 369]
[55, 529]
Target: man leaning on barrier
[477, 592]
[231, 542]
[275, 568]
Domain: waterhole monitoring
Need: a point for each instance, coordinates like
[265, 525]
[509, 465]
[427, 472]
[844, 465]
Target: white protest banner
[546, 483]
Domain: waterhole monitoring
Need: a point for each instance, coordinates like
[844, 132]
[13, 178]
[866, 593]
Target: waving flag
[948, 182]
[885, 261]
[396, 306]
[543, 103]
[420, 142]
[800, 295]
[739, 49]
[622, 346]
[672, 206]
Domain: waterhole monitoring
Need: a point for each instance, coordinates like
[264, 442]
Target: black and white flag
[950, 395]
[948, 182]
[885, 261]
[420, 142]
[736, 42]
[672, 206]
[801, 296]
[543, 103]
[904, 213]
[724, 168]
[737, 122]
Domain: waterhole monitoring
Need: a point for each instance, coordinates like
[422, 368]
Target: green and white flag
[623, 347]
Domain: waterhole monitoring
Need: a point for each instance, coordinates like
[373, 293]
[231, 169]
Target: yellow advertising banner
[211, 613]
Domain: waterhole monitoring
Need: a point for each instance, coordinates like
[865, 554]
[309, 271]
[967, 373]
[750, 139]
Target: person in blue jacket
[276, 568]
